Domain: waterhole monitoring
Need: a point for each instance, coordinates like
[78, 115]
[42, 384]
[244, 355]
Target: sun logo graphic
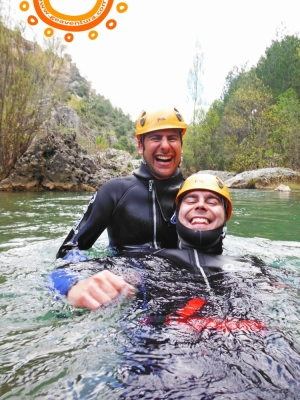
[85, 21]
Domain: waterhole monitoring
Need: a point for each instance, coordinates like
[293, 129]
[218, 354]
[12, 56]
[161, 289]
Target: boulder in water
[264, 178]
[283, 188]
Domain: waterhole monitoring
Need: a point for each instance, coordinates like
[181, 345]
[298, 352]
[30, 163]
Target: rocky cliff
[57, 161]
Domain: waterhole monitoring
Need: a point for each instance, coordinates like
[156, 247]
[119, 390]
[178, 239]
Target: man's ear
[140, 146]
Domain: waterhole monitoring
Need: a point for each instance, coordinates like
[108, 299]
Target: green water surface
[51, 350]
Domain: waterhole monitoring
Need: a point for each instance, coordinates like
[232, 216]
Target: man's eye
[213, 202]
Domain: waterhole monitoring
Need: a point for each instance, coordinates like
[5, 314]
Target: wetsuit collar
[144, 173]
[165, 189]
[204, 241]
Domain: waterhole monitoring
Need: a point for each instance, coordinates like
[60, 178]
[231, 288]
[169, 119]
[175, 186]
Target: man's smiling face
[162, 152]
[201, 210]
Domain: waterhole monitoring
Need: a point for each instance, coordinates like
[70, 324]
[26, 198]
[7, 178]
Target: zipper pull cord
[201, 269]
[151, 189]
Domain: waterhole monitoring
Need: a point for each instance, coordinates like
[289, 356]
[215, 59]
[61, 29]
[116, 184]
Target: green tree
[233, 81]
[101, 116]
[256, 123]
[246, 125]
[202, 145]
[124, 144]
[120, 130]
[285, 138]
[29, 87]
[280, 67]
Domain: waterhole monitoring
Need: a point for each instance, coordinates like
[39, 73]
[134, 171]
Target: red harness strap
[184, 319]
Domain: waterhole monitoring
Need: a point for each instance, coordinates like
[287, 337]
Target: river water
[50, 350]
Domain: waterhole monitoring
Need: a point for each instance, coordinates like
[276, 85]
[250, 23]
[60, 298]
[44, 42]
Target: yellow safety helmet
[206, 182]
[149, 121]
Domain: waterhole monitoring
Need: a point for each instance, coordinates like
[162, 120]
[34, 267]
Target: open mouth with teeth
[199, 220]
[163, 159]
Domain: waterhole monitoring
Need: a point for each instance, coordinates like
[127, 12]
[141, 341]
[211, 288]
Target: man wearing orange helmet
[192, 297]
[203, 206]
[160, 142]
[136, 210]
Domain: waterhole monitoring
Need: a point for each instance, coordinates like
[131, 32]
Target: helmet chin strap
[142, 140]
[224, 232]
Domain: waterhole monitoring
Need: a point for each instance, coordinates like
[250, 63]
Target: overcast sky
[144, 61]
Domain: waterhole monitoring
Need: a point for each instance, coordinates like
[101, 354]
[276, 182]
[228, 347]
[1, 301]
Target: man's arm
[92, 222]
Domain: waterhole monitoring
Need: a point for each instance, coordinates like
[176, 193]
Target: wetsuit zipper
[152, 190]
[200, 268]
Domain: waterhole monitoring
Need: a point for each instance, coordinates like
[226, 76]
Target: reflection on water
[50, 350]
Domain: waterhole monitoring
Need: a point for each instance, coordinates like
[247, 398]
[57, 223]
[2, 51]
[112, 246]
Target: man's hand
[98, 290]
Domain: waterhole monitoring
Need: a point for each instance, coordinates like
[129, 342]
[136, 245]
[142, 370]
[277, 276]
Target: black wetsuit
[206, 268]
[196, 261]
[200, 323]
[136, 210]
[183, 336]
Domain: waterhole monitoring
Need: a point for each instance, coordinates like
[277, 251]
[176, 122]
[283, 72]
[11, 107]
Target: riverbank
[58, 163]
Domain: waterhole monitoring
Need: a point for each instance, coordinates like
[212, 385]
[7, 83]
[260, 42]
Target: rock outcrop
[65, 119]
[265, 178]
[58, 163]
[283, 188]
[57, 160]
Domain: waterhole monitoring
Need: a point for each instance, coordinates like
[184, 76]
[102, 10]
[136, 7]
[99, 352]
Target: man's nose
[164, 143]
[201, 204]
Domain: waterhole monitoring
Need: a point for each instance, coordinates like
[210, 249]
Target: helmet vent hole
[178, 115]
[219, 182]
[142, 121]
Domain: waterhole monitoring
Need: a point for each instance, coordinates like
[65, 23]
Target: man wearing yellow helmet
[160, 141]
[136, 210]
[203, 206]
[192, 297]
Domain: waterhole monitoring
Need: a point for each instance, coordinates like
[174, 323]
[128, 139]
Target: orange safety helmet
[149, 121]
[206, 182]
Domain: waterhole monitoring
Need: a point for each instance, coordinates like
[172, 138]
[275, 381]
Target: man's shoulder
[122, 181]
